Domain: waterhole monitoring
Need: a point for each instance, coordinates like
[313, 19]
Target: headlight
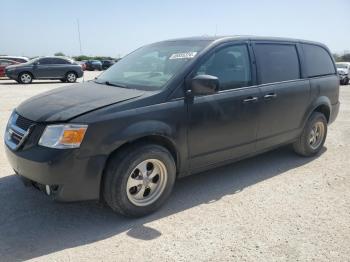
[63, 136]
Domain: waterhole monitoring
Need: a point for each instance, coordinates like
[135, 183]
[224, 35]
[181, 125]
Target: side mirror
[36, 63]
[204, 85]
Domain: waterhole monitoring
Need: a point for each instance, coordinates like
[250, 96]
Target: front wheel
[139, 180]
[313, 136]
[346, 81]
[25, 78]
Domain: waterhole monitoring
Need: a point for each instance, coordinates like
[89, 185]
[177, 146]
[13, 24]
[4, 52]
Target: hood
[68, 102]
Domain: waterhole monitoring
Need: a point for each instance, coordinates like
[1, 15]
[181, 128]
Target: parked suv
[107, 64]
[92, 65]
[172, 109]
[343, 69]
[60, 68]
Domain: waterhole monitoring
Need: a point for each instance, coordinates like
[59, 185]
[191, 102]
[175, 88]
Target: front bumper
[12, 74]
[74, 178]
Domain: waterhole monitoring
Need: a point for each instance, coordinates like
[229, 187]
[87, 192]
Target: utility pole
[81, 52]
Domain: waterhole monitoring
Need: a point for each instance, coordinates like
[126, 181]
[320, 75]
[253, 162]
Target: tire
[71, 77]
[346, 81]
[124, 190]
[25, 78]
[309, 144]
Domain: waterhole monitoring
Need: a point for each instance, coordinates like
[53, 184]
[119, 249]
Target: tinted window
[318, 61]
[45, 61]
[231, 65]
[59, 61]
[277, 62]
[151, 67]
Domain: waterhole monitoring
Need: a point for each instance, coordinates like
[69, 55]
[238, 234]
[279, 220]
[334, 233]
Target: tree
[59, 54]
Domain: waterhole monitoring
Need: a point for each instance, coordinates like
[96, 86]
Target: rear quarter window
[318, 61]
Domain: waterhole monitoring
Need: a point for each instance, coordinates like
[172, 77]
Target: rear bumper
[72, 177]
[334, 112]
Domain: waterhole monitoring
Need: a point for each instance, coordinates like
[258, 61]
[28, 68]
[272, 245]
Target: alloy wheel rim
[316, 135]
[146, 182]
[71, 77]
[26, 78]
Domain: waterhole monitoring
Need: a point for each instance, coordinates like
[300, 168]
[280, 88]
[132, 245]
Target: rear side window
[318, 61]
[277, 62]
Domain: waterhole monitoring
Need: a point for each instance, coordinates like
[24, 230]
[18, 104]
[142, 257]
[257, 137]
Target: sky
[115, 28]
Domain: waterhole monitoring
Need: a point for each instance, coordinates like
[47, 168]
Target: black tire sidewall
[315, 117]
[71, 81]
[19, 78]
[118, 173]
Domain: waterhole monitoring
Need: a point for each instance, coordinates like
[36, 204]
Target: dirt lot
[274, 207]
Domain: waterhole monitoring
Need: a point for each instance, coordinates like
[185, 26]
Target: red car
[4, 63]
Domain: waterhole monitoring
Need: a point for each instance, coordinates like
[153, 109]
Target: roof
[244, 37]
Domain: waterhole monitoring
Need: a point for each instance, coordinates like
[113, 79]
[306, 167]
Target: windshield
[342, 65]
[151, 67]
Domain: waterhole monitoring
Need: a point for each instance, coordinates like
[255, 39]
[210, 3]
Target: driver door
[223, 126]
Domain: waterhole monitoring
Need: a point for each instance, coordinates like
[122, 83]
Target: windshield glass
[151, 67]
[342, 65]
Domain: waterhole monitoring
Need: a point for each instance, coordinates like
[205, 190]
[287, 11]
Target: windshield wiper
[111, 84]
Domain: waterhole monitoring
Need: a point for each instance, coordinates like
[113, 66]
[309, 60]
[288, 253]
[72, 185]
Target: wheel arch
[321, 105]
[153, 138]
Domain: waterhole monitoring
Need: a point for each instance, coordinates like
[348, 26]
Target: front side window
[231, 65]
[59, 61]
[151, 67]
[318, 61]
[45, 61]
[277, 62]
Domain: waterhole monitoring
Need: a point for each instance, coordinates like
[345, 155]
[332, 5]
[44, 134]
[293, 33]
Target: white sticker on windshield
[183, 55]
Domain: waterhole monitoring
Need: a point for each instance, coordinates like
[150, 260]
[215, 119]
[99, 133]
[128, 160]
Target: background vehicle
[60, 68]
[92, 65]
[107, 63]
[20, 59]
[172, 109]
[343, 69]
[82, 64]
[3, 64]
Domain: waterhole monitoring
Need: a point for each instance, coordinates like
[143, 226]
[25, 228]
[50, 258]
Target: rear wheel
[25, 78]
[71, 77]
[313, 136]
[139, 180]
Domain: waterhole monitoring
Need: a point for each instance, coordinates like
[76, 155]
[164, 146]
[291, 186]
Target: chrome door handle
[270, 96]
[250, 99]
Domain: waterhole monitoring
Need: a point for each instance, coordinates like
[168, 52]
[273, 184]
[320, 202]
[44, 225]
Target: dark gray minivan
[172, 109]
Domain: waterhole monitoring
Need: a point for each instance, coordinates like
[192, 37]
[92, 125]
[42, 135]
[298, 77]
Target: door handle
[250, 99]
[270, 96]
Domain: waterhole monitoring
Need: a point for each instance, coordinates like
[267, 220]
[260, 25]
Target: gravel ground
[273, 207]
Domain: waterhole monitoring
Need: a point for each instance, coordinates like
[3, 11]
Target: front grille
[17, 131]
[24, 123]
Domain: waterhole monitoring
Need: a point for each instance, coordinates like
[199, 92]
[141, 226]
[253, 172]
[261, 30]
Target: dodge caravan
[172, 109]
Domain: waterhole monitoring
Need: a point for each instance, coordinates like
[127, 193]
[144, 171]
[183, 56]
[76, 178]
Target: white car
[343, 69]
